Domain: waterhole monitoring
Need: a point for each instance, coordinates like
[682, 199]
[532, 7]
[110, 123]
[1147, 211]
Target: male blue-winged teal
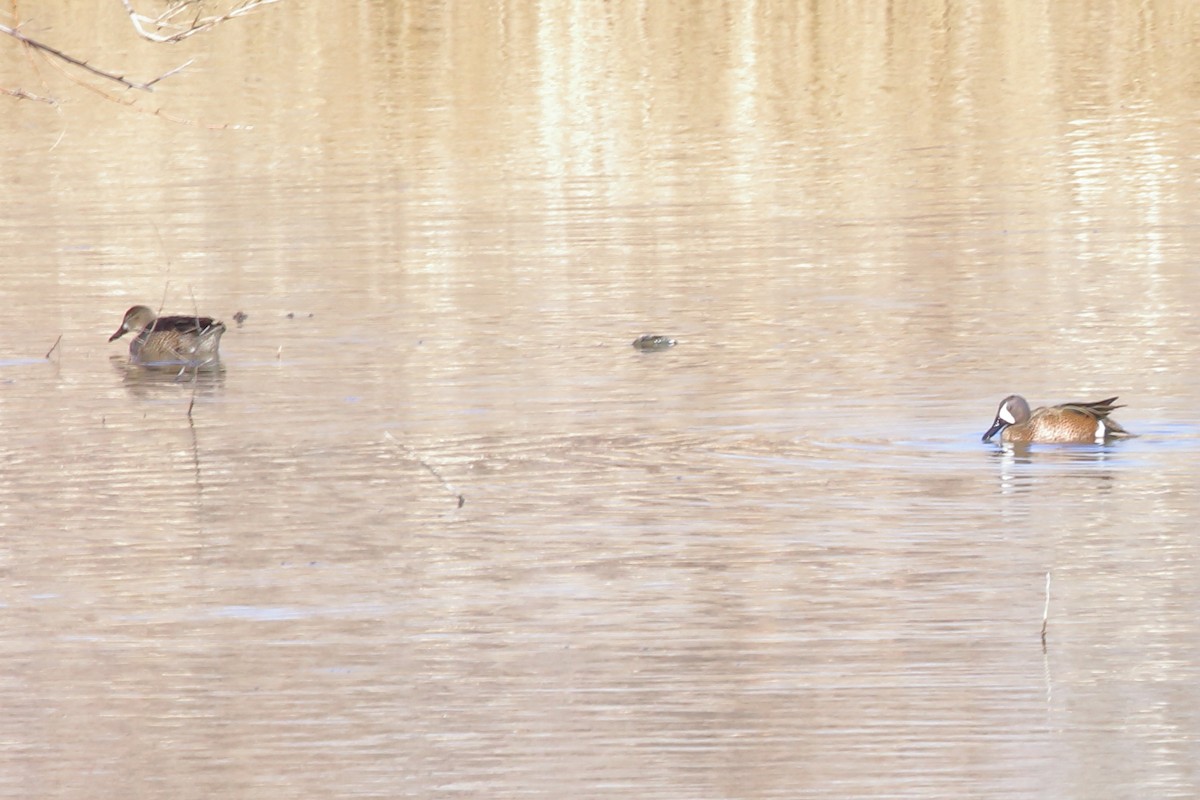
[170, 341]
[1064, 424]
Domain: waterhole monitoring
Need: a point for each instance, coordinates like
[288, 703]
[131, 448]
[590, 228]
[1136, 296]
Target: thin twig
[1046, 611]
[197, 25]
[170, 72]
[166, 284]
[21, 94]
[416, 457]
[59, 54]
[53, 347]
[130, 103]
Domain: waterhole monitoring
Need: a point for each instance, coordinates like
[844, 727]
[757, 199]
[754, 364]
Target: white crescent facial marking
[1007, 415]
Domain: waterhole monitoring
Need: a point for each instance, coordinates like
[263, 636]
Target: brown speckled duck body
[1069, 423]
[170, 341]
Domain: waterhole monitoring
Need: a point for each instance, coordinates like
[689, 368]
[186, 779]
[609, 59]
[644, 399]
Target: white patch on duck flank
[1101, 431]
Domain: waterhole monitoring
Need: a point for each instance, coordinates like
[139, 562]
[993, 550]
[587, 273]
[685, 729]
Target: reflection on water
[436, 527]
[1024, 467]
[143, 376]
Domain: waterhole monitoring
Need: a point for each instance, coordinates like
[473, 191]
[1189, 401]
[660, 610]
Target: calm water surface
[437, 529]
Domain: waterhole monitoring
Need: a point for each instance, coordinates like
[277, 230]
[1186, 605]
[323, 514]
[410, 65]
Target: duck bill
[120, 332]
[997, 426]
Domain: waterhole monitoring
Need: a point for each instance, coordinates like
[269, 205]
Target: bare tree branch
[129, 102]
[180, 20]
[165, 29]
[59, 54]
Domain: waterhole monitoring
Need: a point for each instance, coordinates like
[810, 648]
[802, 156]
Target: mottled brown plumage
[1063, 424]
[170, 341]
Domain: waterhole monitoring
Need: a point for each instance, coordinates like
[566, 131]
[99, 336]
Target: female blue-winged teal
[1064, 424]
[170, 341]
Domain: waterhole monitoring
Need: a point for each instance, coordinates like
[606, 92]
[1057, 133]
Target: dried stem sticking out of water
[53, 347]
[429, 468]
[1046, 611]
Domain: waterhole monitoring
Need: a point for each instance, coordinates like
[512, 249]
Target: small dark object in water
[239, 317]
[653, 342]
